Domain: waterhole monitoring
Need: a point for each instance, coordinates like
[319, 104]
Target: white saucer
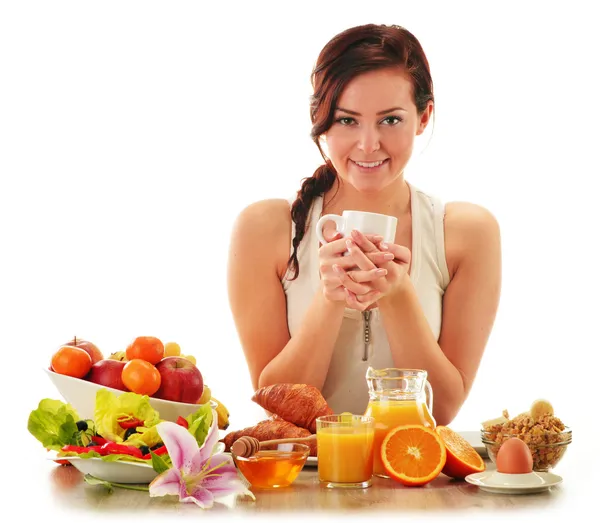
[498, 483]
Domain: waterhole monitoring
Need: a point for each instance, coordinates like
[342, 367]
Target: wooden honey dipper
[247, 446]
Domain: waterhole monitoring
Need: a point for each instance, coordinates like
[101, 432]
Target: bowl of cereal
[546, 436]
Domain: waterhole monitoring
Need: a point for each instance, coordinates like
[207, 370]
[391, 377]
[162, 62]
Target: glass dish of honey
[273, 466]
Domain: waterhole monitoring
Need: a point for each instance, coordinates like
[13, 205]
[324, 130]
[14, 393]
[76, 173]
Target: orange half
[462, 459]
[414, 455]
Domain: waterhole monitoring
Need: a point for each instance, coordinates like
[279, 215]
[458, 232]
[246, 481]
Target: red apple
[180, 380]
[94, 352]
[107, 373]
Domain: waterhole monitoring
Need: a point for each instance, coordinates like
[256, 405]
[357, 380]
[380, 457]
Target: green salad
[123, 428]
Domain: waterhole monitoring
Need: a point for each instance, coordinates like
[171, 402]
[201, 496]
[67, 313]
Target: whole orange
[71, 361]
[141, 377]
[146, 348]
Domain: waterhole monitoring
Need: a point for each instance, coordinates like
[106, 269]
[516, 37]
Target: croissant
[299, 404]
[270, 429]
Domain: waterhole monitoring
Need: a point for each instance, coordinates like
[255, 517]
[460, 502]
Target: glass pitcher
[397, 397]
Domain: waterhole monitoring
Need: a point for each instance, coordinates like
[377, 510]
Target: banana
[222, 414]
[119, 356]
[206, 395]
[540, 408]
[496, 421]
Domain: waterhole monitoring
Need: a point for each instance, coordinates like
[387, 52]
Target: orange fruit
[141, 377]
[414, 455]
[146, 348]
[461, 458]
[94, 352]
[71, 361]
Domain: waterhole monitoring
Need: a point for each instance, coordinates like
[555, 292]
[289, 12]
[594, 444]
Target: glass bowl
[273, 466]
[547, 447]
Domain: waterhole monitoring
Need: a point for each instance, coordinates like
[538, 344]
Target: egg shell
[514, 457]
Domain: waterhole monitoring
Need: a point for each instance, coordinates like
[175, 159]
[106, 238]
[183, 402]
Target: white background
[133, 133]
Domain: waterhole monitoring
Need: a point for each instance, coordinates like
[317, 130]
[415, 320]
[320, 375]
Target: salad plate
[112, 471]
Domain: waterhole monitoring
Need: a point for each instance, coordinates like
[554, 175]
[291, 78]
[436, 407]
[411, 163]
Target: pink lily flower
[198, 475]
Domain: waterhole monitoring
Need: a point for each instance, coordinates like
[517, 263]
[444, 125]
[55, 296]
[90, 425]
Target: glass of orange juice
[345, 450]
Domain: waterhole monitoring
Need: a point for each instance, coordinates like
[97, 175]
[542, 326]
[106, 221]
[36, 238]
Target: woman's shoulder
[265, 216]
[467, 217]
[264, 228]
[468, 228]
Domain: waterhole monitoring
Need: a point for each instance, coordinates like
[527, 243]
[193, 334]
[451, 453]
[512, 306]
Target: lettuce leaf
[110, 408]
[53, 424]
[199, 423]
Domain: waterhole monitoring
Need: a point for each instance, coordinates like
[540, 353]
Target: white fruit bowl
[81, 395]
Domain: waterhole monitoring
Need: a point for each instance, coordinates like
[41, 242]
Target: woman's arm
[470, 303]
[259, 251]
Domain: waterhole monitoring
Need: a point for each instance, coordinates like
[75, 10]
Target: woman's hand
[333, 266]
[363, 250]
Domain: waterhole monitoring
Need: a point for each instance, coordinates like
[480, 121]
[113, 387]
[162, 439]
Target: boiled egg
[514, 457]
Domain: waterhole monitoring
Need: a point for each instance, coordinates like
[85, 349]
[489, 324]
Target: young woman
[427, 301]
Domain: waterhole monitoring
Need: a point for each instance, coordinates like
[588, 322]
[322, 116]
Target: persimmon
[146, 348]
[71, 361]
[141, 377]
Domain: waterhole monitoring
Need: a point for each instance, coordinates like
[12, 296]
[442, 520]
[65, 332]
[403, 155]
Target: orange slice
[461, 458]
[413, 455]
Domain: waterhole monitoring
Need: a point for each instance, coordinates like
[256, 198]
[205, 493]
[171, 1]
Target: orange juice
[345, 454]
[393, 413]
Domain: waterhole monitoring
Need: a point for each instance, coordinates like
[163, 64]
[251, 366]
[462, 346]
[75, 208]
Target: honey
[272, 468]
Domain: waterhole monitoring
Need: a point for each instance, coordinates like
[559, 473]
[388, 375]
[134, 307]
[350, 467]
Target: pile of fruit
[146, 366]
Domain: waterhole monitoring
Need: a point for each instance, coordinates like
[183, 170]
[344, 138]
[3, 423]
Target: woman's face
[375, 124]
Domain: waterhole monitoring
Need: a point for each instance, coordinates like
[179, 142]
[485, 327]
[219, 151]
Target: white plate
[311, 461]
[113, 471]
[498, 483]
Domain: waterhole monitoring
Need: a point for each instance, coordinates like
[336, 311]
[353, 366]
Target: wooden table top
[443, 495]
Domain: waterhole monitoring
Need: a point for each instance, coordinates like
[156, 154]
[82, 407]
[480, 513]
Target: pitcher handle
[429, 389]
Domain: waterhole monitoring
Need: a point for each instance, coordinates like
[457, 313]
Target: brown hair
[355, 51]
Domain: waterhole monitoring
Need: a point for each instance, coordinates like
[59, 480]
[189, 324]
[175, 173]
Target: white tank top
[345, 388]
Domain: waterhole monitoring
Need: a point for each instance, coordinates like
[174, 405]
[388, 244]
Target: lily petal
[167, 483]
[212, 438]
[181, 445]
[201, 496]
[222, 465]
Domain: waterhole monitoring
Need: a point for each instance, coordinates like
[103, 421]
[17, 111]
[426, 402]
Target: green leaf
[53, 424]
[158, 464]
[199, 423]
[95, 481]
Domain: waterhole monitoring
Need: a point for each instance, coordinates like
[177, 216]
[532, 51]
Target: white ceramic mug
[365, 222]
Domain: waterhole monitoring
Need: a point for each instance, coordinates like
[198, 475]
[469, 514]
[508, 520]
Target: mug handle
[429, 393]
[340, 224]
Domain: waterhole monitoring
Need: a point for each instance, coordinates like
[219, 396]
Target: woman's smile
[369, 167]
